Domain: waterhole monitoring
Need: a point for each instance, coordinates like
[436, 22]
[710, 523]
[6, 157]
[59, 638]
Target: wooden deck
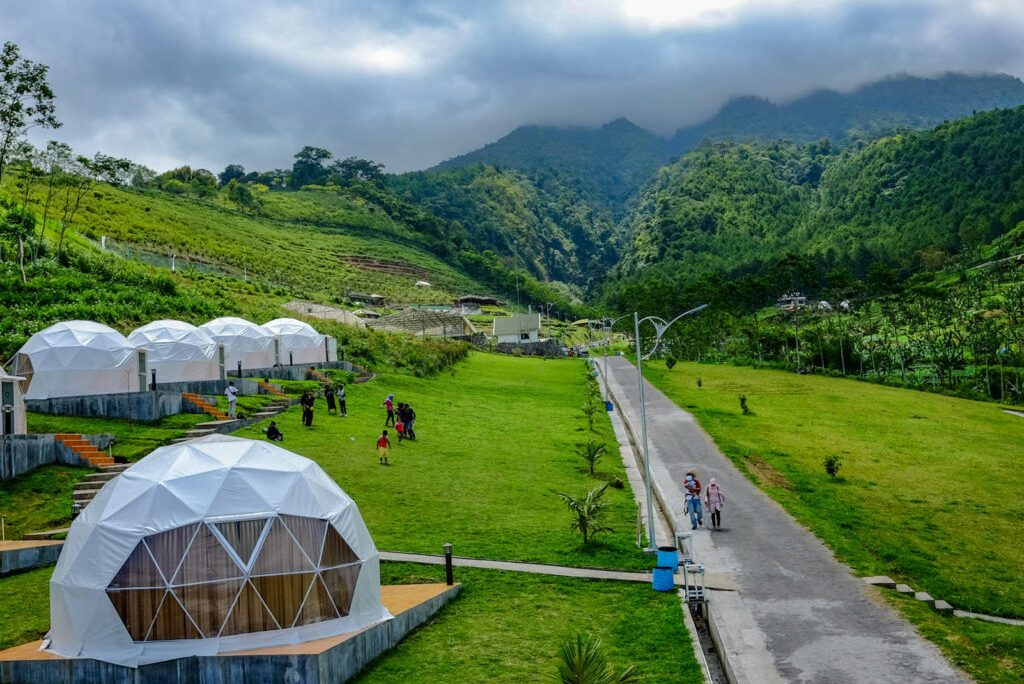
[396, 598]
[27, 544]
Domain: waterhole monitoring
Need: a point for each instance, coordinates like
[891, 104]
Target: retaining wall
[295, 372]
[28, 556]
[20, 454]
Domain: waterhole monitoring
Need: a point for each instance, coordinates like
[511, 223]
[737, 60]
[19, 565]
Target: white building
[76, 358]
[215, 545]
[12, 405]
[518, 329]
[244, 342]
[179, 351]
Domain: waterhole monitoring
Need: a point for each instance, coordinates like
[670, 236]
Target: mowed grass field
[496, 441]
[929, 491]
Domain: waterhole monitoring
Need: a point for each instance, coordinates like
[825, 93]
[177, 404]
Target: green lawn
[930, 486]
[39, 500]
[506, 627]
[496, 442]
[134, 440]
[25, 608]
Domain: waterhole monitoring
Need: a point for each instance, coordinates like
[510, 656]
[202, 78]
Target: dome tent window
[235, 577]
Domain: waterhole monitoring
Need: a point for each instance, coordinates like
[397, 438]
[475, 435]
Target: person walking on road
[715, 500]
[692, 498]
[231, 392]
[389, 404]
[383, 448]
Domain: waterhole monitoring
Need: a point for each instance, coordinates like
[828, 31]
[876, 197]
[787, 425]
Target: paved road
[799, 615]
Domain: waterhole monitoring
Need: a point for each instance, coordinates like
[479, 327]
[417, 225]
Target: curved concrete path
[799, 614]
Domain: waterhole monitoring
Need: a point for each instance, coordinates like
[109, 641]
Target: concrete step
[47, 534]
[266, 414]
[116, 468]
[80, 496]
[101, 476]
[199, 432]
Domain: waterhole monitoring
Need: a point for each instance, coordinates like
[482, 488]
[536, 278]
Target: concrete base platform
[16, 556]
[334, 659]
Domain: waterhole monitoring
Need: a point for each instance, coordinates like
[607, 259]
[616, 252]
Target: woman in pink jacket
[715, 500]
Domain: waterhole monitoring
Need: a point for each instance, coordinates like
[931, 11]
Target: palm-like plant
[591, 452]
[581, 660]
[587, 512]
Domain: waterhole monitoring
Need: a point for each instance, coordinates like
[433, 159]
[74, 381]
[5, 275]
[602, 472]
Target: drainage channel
[714, 671]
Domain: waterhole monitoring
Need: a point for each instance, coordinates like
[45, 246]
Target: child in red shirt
[383, 447]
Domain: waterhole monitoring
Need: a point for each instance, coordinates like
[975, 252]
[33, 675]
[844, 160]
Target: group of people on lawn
[400, 416]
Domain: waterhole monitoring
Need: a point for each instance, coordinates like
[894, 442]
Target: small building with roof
[518, 328]
[13, 420]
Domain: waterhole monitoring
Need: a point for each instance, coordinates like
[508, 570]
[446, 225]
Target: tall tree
[309, 166]
[26, 100]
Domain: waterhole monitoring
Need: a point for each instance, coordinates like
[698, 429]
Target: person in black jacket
[274, 433]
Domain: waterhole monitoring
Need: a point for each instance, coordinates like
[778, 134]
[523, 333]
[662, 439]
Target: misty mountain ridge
[611, 163]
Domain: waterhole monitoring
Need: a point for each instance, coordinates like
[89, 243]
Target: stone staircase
[271, 389]
[318, 376]
[223, 426]
[203, 405]
[90, 485]
[84, 449]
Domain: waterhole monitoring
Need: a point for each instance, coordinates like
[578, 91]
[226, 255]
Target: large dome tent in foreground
[244, 342]
[213, 545]
[179, 351]
[299, 341]
[75, 358]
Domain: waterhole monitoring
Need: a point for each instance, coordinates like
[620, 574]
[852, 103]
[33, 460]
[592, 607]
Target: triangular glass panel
[242, 535]
[172, 623]
[137, 609]
[309, 532]
[341, 583]
[336, 550]
[318, 606]
[169, 547]
[138, 571]
[208, 604]
[248, 615]
[283, 594]
[280, 554]
[206, 561]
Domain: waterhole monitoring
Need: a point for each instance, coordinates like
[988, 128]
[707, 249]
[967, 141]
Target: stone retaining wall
[20, 454]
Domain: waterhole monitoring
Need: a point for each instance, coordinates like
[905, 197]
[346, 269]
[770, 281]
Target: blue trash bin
[664, 578]
[609, 406]
[668, 556]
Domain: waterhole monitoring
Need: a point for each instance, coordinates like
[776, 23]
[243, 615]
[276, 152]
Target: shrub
[581, 660]
[591, 452]
[670, 362]
[832, 465]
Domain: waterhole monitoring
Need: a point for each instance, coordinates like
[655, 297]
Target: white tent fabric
[78, 358]
[243, 341]
[178, 351]
[209, 489]
[300, 342]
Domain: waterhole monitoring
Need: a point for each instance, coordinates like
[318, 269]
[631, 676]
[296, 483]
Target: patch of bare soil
[766, 474]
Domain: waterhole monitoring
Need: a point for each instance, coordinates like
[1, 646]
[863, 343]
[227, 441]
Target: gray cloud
[412, 83]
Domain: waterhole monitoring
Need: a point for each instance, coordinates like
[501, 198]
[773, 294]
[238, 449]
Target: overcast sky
[212, 82]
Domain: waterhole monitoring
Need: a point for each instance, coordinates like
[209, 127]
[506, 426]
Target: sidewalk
[799, 615]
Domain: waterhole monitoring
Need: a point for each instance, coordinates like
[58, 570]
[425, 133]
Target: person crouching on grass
[383, 447]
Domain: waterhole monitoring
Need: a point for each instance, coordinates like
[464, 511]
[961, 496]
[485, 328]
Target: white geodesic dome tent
[299, 341]
[214, 545]
[244, 341]
[78, 358]
[178, 351]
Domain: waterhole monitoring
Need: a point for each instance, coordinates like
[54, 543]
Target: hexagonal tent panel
[214, 545]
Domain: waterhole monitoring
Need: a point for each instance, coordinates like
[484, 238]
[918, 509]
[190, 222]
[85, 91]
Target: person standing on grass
[342, 408]
[389, 404]
[692, 498]
[231, 392]
[307, 402]
[383, 448]
[715, 501]
[329, 396]
[409, 419]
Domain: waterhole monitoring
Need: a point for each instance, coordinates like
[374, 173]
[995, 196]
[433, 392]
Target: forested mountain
[607, 165]
[777, 215]
[861, 115]
[538, 218]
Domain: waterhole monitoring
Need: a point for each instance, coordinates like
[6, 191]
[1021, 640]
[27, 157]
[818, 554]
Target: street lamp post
[660, 327]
